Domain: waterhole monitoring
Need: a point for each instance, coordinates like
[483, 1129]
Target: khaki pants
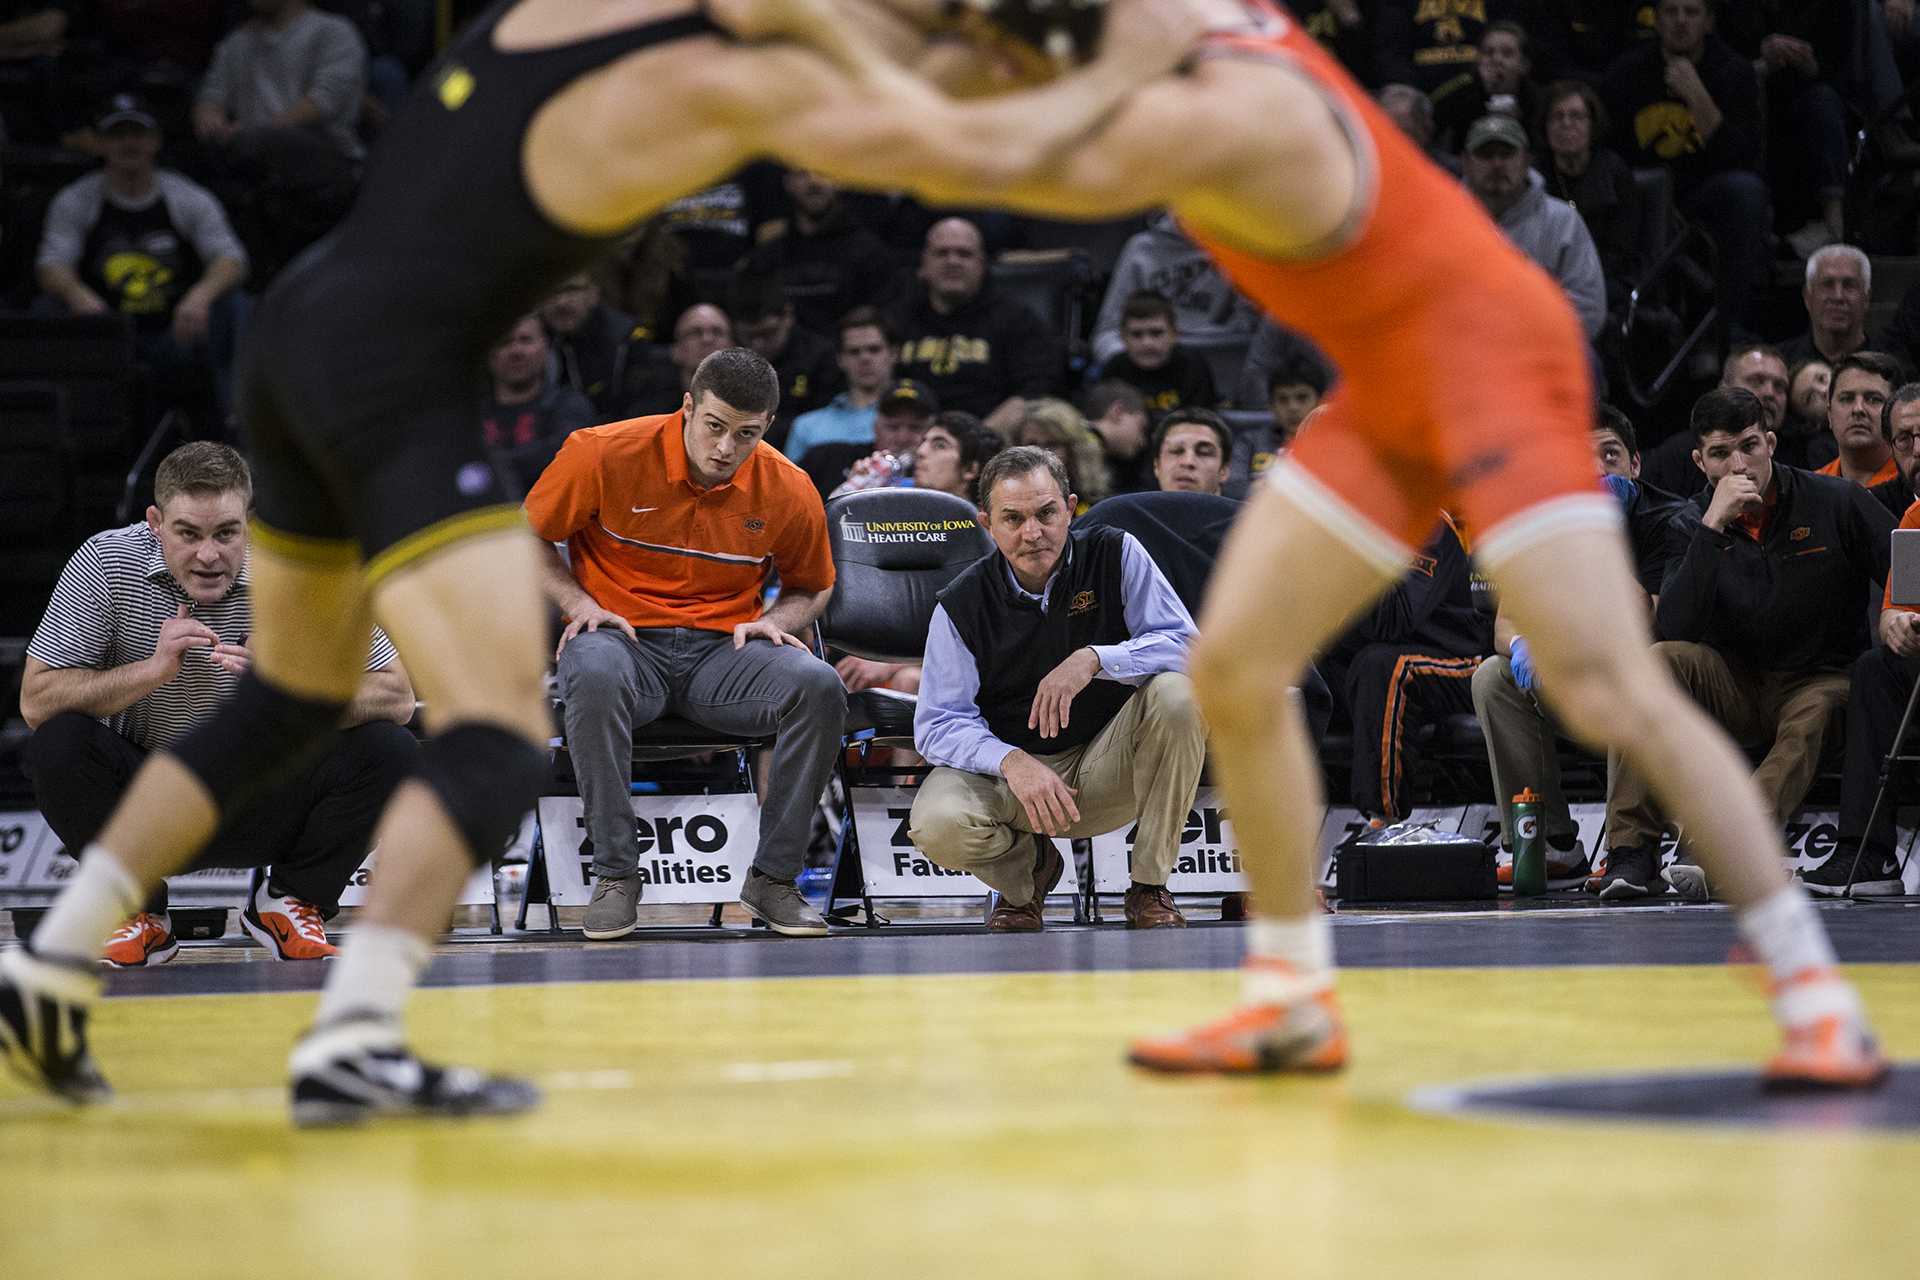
[1785, 712]
[1145, 766]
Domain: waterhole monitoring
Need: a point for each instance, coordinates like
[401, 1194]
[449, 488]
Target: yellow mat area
[969, 1126]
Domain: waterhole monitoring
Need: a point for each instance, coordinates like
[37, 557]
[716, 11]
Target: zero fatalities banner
[692, 848]
[892, 868]
[1207, 861]
[476, 892]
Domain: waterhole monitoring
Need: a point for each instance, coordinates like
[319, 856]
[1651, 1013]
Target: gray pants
[1520, 749]
[1144, 765]
[612, 684]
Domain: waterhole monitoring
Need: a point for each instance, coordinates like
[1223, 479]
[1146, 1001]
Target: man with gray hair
[1054, 699]
[1837, 294]
[673, 524]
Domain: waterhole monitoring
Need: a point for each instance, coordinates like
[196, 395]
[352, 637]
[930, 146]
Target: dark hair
[862, 318]
[740, 377]
[1730, 410]
[1018, 461]
[1905, 393]
[202, 467]
[1514, 29]
[755, 296]
[1146, 304]
[1608, 418]
[977, 441]
[1195, 417]
[1105, 395]
[1296, 369]
[1875, 363]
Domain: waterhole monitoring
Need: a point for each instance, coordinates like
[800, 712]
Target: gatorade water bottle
[1529, 850]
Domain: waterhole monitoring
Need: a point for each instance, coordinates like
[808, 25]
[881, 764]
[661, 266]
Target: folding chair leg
[1887, 766]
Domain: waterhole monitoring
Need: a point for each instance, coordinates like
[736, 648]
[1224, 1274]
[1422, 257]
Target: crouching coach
[1055, 701]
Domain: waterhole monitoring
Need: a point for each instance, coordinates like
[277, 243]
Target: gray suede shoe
[780, 905]
[614, 911]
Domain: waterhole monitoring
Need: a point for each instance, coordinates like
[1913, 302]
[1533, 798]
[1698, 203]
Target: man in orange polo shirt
[1863, 384]
[673, 524]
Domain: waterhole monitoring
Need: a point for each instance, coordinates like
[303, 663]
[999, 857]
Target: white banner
[692, 848]
[1208, 860]
[1483, 820]
[27, 843]
[476, 892]
[892, 867]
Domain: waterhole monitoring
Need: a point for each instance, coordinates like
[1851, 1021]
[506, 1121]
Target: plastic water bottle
[886, 470]
[1529, 849]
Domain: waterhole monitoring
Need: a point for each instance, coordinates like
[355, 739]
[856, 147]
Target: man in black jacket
[1759, 618]
[1688, 102]
[827, 263]
[1054, 699]
[980, 352]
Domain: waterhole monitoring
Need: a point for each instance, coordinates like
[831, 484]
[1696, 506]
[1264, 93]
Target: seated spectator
[1055, 702]
[1190, 451]
[1495, 164]
[648, 278]
[1057, 427]
[1878, 690]
[1520, 734]
[1838, 296]
[399, 39]
[900, 418]
[865, 358]
[1808, 383]
[1901, 419]
[155, 247]
[146, 634]
[1760, 617]
[526, 413]
[1412, 111]
[701, 330]
[827, 263]
[1408, 662]
[1502, 83]
[1273, 347]
[1758, 368]
[1295, 389]
[1162, 260]
[978, 350]
[1117, 414]
[1863, 386]
[645, 638]
[804, 360]
[949, 458]
[1167, 375]
[1592, 177]
[716, 224]
[591, 342]
[1688, 102]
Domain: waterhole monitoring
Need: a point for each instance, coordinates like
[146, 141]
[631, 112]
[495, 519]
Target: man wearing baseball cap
[1495, 166]
[148, 244]
[900, 418]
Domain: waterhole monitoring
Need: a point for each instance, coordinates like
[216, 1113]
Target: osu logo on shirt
[1083, 602]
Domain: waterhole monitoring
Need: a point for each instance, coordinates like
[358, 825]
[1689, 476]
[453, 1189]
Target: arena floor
[933, 1101]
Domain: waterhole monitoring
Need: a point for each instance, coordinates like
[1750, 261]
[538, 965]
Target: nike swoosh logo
[640, 511]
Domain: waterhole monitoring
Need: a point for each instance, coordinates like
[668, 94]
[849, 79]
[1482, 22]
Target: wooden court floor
[977, 1125]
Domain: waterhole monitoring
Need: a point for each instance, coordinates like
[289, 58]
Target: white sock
[101, 894]
[375, 972]
[1304, 946]
[1785, 932]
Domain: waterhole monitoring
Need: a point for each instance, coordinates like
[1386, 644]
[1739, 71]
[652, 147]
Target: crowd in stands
[1683, 169]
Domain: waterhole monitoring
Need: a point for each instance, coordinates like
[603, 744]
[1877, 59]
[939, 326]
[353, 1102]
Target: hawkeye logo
[895, 531]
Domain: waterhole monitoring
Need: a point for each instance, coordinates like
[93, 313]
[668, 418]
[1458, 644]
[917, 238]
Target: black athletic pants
[1882, 682]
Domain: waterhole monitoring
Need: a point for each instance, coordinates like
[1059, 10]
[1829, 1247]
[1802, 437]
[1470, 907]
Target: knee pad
[486, 778]
[256, 740]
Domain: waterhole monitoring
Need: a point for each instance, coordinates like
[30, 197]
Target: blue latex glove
[1622, 488]
[1520, 662]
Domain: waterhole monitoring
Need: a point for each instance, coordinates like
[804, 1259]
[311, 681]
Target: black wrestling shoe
[357, 1069]
[1630, 873]
[43, 1025]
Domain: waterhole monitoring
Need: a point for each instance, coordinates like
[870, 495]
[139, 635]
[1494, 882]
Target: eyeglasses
[1904, 441]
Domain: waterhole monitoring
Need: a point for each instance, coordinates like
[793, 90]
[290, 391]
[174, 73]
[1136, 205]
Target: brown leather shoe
[1048, 867]
[1150, 906]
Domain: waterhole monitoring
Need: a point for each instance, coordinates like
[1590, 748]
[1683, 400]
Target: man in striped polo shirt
[145, 635]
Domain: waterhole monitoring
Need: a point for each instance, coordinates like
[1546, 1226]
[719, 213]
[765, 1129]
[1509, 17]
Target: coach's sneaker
[143, 941]
[614, 910]
[1566, 868]
[357, 1068]
[778, 904]
[1631, 873]
[43, 1025]
[1878, 875]
[288, 928]
[1305, 1034]
[1688, 878]
[1831, 1047]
